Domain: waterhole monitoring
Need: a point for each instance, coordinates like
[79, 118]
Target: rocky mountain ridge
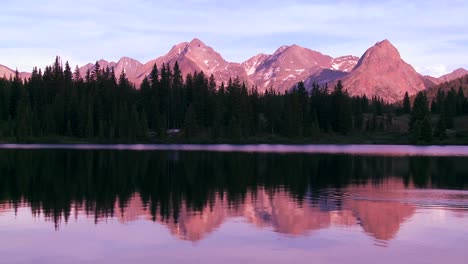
[382, 72]
[379, 72]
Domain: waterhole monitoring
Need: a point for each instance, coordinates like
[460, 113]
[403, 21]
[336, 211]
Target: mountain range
[380, 71]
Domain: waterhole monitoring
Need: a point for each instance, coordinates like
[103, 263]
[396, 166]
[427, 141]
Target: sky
[430, 35]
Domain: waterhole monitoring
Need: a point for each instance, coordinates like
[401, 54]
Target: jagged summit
[384, 42]
[289, 65]
[382, 72]
[380, 52]
[197, 43]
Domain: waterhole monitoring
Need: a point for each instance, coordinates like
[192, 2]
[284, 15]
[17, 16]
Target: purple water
[381, 150]
[411, 214]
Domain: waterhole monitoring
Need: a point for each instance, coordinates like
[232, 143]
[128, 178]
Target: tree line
[102, 106]
[60, 102]
[446, 104]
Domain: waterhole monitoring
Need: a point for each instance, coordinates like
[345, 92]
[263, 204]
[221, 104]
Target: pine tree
[15, 95]
[145, 95]
[439, 102]
[77, 75]
[440, 130]
[90, 120]
[450, 108]
[24, 120]
[342, 112]
[460, 101]
[177, 95]
[426, 130]
[190, 123]
[303, 110]
[406, 104]
[4, 99]
[96, 72]
[143, 125]
[420, 120]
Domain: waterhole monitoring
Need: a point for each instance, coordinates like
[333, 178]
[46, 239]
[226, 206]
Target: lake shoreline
[327, 140]
[346, 149]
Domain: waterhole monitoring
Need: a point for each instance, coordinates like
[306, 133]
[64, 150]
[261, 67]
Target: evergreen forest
[59, 105]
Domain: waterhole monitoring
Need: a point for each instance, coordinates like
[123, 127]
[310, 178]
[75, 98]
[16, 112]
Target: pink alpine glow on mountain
[379, 72]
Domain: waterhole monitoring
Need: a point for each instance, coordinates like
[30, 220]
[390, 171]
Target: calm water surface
[232, 204]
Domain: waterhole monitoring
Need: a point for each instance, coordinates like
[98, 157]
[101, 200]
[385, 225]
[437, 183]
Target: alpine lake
[233, 204]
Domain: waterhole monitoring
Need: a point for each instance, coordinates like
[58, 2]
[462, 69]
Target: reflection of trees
[53, 182]
[420, 168]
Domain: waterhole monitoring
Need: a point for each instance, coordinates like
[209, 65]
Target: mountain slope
[458, 73]
[131, 67]
[253, 63]
[344, 63]
[196, 56]
[292, 64]
[6, 72]
[287, 66]
[447, 86]
[382, 72]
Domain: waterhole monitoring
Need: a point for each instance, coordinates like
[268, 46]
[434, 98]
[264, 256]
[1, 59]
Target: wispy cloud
[427, 33]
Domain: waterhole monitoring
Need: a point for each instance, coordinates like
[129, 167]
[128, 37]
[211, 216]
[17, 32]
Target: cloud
[433, 70]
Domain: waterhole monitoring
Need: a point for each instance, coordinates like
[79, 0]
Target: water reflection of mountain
[4, 207]
[193, 193]
[280, 212]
